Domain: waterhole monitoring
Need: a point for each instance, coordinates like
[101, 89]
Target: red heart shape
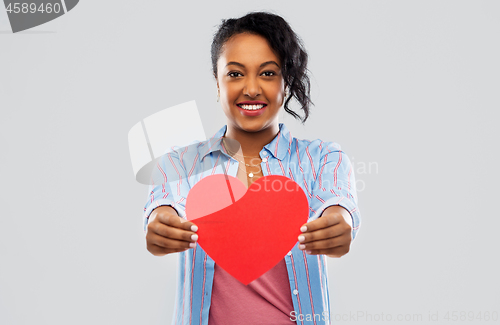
[247, 232]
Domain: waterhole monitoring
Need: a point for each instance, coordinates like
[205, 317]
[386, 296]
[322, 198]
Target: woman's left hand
[330, 234]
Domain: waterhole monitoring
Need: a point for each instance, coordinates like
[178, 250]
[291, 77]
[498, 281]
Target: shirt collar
[278, 147]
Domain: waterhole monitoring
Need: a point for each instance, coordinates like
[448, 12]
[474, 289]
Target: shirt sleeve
[173, 174]
[335, 184]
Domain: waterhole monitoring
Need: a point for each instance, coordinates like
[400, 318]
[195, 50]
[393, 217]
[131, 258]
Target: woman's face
[250, 83]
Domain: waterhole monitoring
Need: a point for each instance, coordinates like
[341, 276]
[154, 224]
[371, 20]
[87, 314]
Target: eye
[269, 73]
[234, 74]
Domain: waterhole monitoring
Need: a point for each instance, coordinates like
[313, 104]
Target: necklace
[250, 174]
[234, 153]
[248, 165]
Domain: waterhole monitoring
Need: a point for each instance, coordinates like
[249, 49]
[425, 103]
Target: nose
[252, 87]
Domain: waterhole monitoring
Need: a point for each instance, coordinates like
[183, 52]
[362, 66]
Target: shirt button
[295, 292]
[264, 159]
[289, 253]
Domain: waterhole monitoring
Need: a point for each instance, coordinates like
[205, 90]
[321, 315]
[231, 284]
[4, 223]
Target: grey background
[409, 86]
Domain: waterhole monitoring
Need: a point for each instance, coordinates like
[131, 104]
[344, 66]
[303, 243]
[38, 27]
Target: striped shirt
[324, 173]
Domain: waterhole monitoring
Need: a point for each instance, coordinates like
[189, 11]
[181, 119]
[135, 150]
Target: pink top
[266, 300]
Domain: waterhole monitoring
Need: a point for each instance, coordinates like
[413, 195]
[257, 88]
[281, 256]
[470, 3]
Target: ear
[217, 81]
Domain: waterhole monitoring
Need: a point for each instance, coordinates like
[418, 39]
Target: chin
[249, 126]
[255, 126]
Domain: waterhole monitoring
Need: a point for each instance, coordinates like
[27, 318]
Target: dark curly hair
[285, 43]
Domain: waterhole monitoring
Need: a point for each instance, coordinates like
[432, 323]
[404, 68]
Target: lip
[252, 102]
[252, 113]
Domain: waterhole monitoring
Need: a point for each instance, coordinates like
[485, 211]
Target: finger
[172, 232]
[334, 252]
[161, 251]
[325, 233]
[322, 222]
[328, 243]
[175, 221]
[169, 243]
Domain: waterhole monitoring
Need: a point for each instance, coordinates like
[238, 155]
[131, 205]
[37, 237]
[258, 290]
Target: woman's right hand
[168, 233]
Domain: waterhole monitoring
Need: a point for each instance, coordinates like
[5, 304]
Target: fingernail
[301, 238]
[302, 246]
[308, 252]
[192, 245]
[194, 228]
[303, 228]
[194, 237]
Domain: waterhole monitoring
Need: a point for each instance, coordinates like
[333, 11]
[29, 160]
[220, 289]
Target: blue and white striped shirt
[322, 170]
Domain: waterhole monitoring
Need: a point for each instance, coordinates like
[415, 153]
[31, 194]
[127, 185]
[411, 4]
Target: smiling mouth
[251, 107]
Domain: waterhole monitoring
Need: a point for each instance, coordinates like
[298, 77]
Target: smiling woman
[259, 65]
[251, 87]
[284, 44]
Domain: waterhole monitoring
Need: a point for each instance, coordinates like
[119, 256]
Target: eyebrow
[263, 64]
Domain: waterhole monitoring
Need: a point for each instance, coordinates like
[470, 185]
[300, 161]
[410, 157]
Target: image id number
[33, 7]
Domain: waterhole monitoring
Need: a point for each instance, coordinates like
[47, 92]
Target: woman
[259, 65]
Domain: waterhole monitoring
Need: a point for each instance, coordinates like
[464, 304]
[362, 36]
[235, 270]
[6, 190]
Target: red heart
[247, 232]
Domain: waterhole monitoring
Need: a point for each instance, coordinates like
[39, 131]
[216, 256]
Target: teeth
[252, 107]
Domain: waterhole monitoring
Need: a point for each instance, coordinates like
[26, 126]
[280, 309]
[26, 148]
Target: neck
[252, 142]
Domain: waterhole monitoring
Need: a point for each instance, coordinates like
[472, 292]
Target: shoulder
[315, 148]
[311, 155]
[185, 155]
[192, 148]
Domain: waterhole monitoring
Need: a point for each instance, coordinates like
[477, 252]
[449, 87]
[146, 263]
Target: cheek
[277, 86]
[228, 92]
[276, 92]
[226, 97]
